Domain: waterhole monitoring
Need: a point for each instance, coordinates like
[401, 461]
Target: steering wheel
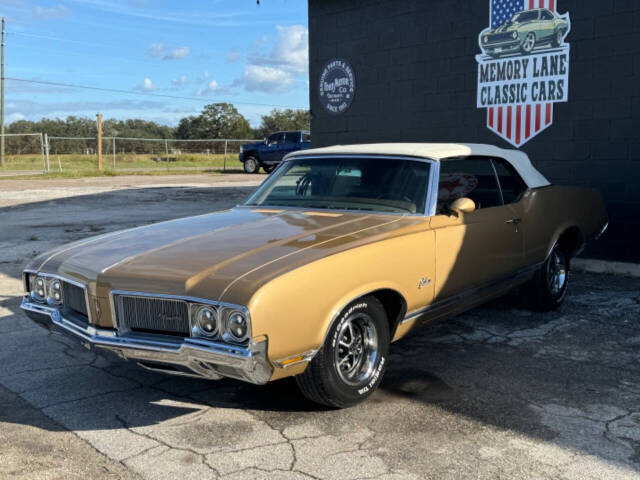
[388, 196]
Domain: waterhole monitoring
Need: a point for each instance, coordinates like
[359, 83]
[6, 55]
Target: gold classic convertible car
[341, 251]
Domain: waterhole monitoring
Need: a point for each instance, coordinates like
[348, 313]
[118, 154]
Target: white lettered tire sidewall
[372, 307]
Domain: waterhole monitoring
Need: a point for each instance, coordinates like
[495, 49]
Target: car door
[271, 150]
[546, 25]
[477, 248]
[291, 143]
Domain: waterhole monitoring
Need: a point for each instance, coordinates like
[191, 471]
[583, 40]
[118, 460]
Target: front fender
[296, 309]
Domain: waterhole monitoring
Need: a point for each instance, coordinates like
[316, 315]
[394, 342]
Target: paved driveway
[499, 392]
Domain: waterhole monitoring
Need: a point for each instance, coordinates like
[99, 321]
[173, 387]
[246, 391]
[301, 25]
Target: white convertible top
[437, 151]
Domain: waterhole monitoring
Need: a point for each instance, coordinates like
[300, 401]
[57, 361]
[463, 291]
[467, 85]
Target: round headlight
[37, 289]
[207, 321]
[55, 291]
[514, 35]
[237, 326]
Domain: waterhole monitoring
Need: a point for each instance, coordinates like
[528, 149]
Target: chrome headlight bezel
[231, 335]
[54, 292]
[37, 288]
[204, 314]
[223, 313]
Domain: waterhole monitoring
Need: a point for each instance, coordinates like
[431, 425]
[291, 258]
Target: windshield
[526, 16]
[351, 183]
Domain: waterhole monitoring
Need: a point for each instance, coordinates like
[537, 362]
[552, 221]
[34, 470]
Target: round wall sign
[337, 86]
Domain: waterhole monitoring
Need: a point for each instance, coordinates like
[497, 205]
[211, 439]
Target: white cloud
[159, 49]
[146, 86]
[290, 50]
[260, 78]
[21, 109]
[180, 81]
[156, 49]
[14, 117]
[51, 13]
[211, 88]
[177, 53]
[273, 69]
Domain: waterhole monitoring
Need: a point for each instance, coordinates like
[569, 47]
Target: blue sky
[215, 50]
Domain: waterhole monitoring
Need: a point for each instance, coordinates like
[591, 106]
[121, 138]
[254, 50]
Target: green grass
[76, 166]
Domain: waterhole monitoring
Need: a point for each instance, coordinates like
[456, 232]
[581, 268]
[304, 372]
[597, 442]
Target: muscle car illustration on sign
[525, 32]
[341, 251]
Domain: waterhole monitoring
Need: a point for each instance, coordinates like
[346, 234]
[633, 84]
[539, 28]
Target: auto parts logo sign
[523, 68]
[337, 86]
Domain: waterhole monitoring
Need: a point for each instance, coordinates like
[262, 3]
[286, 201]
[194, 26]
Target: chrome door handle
[515, 221]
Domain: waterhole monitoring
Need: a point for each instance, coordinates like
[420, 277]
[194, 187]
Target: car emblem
[523, 67]
[424, 281]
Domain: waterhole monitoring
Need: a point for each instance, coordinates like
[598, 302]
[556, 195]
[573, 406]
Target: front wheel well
[394, 305]
[572, 239]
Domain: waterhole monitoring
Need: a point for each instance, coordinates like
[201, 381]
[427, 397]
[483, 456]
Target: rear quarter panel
[548, 212]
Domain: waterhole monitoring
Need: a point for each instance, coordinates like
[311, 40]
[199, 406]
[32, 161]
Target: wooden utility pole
[99, 117]
[2, 97]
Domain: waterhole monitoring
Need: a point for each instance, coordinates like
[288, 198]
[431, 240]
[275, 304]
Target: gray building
[442, 71]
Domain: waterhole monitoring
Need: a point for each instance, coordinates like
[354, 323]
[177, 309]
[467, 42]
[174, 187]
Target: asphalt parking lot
[497, 393]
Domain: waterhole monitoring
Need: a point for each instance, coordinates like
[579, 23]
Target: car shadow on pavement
[569, 377]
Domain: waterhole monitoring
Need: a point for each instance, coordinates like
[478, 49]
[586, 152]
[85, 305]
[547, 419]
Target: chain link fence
[32, 153]
[24, 153]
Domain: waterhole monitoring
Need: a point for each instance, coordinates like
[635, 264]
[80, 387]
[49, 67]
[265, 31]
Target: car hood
[202, 256]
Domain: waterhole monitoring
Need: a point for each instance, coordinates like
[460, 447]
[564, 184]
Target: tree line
[217, 120]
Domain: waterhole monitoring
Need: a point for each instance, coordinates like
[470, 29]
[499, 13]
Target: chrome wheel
[557, 272]
[357, 349]
[559, 38]
[529, 42]
[251, 165]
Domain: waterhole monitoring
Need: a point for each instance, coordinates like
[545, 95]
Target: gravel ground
[499, 392]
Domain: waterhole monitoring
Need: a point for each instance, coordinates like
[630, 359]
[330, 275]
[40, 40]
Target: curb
[603, 266]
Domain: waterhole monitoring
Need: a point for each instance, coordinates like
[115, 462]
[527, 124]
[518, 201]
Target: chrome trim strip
[441, 304]
[190, 301]
[205, 358]
[307, 357]
[285, 208]
[602, 230]
[68, 280]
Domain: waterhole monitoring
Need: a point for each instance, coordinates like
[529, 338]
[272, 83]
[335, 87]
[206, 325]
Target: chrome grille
[74, 298]
[152, 315]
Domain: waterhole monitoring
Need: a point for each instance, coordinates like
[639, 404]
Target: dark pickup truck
[270, 152]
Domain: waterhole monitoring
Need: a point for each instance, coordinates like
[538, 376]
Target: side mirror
[464, 205]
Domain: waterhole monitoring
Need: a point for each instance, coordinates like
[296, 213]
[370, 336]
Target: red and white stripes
[518, 123]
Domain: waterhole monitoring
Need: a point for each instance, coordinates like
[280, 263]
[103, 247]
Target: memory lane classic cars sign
[337, 86]
[523, 68]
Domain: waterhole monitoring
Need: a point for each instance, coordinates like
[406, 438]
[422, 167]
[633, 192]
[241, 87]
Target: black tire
[251, 165]
[558, 38]
[268, 168]
[329, 380]
[548, 288]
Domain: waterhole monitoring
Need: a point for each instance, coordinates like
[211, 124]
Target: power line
[148, 94]
[47, 37]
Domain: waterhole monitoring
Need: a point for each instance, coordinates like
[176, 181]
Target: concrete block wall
[416, 79]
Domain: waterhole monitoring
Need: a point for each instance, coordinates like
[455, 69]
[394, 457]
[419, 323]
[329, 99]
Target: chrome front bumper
[180, 356]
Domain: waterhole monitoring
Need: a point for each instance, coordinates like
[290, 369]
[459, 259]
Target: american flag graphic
[518, 124]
